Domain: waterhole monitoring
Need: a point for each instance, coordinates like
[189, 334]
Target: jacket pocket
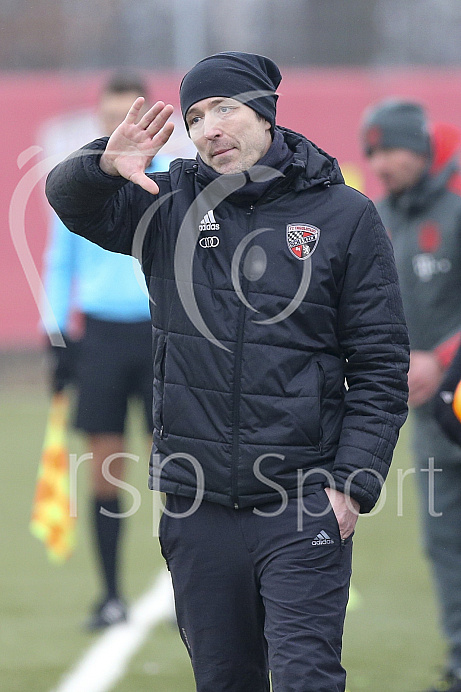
[316, 429]
[159, 383]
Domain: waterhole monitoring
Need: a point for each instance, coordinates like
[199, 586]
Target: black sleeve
[374, 341]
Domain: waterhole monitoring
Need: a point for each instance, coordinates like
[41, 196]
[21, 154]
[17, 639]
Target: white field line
[106, 661]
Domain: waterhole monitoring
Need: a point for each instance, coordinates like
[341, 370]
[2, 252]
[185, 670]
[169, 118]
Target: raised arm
[133, 145]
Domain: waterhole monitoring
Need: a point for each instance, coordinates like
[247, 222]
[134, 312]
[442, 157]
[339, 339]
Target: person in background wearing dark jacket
[267, 295]
[422, 213]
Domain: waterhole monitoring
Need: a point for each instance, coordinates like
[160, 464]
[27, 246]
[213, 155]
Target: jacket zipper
[237, 388]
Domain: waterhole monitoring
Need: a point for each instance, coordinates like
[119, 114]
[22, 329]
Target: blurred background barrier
[325, 104]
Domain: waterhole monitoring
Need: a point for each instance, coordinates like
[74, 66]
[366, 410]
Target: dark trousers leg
[218, 606]
[305, 586]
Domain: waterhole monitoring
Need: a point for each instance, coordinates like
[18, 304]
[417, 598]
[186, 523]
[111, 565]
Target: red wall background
[325, 105]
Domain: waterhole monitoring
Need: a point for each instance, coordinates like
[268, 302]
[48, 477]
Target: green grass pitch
[391, 641]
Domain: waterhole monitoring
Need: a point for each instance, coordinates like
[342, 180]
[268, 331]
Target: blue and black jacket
[280, 346]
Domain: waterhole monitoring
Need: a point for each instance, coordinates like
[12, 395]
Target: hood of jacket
[311, 165]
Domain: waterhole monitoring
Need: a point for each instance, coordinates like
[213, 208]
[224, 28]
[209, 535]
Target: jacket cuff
[92, 153]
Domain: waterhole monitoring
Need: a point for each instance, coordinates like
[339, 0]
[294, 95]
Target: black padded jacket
[280, 346]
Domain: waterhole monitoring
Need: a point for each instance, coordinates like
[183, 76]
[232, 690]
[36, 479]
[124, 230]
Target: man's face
[228, 135]
[397, 169]
[113, 109]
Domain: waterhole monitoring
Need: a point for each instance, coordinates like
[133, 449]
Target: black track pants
[256, 593]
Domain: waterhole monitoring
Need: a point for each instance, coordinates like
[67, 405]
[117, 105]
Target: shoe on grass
[110, 612]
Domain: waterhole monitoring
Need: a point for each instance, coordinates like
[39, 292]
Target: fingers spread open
[160, 119]
[151, 114]
[133, 113]
[162, 137]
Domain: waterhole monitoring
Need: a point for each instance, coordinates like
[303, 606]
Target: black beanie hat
[395, 124]
[249, 78]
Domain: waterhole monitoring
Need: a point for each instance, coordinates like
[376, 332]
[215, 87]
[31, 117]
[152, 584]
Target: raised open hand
[133, 145]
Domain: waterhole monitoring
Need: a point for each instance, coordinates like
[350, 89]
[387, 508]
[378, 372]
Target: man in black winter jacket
[271, 284]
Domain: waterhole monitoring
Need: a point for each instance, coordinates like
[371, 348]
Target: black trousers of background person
[254, 593]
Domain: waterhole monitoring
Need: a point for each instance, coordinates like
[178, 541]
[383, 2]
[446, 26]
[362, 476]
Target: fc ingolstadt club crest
[302, 239]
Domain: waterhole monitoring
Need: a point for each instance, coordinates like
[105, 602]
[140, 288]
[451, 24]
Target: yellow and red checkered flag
[51, 521]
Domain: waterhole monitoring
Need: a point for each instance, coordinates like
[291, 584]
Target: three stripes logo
[208, 223]
[322, 538]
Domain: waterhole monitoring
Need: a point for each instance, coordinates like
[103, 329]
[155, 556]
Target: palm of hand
[131, 150]
[133, 145]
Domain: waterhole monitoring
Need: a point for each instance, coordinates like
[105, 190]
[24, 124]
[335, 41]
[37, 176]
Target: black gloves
[63, 364]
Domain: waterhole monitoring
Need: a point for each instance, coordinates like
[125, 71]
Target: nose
[211, 129]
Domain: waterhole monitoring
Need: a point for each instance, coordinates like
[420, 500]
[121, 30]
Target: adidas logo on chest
[208, 223]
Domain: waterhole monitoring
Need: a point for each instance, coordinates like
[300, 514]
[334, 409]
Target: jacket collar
[292, 162]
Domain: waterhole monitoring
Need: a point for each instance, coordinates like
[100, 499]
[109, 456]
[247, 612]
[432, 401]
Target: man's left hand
[346, 510]
[424, 377]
